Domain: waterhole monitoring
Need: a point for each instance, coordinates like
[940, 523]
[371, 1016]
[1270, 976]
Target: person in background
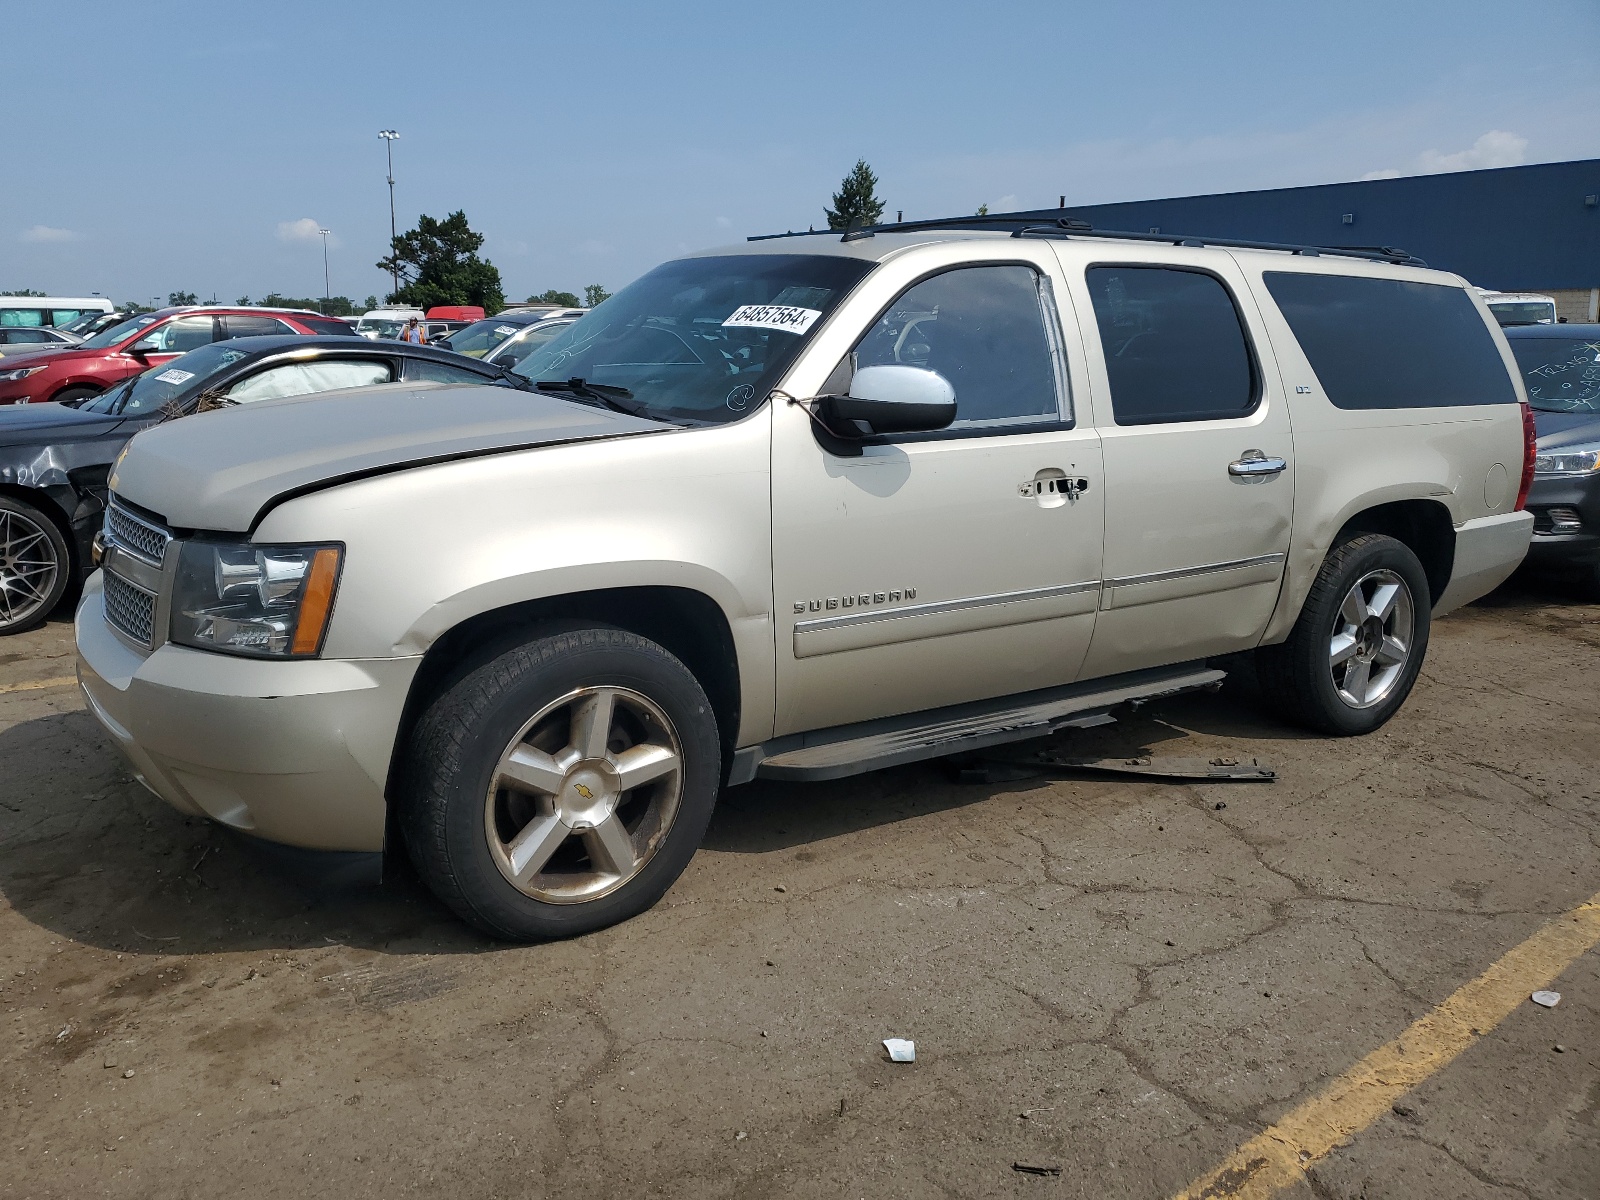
[412, 332]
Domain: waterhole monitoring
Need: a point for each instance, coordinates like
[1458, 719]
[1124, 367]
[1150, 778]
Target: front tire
[35, 566]
[1358, 645]
[72, 395]
[562, 786]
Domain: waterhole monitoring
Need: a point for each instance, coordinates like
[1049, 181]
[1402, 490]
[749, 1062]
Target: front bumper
[1488, 550]
[1572, 551]
[292, 752]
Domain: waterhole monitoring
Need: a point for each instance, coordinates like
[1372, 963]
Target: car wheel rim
[1372, 639]
[584, 796]
[28, 568]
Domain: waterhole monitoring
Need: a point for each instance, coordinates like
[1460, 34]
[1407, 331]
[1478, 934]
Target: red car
[139, 343]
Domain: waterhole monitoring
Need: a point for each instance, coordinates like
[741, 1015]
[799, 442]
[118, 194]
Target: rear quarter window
[1392, 343]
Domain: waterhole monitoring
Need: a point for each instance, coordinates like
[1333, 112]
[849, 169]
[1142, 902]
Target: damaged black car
[55, 458]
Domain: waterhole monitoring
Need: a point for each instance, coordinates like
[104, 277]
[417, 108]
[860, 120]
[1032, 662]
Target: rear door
[1199, 458]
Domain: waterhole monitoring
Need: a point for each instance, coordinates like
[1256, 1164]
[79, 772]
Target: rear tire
[1358, 645]
[562, 786]
[35, 566]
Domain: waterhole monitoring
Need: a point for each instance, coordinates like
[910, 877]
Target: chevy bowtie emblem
[584, 792]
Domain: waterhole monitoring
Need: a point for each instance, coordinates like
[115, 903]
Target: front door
[946, 567]
[1199, 460]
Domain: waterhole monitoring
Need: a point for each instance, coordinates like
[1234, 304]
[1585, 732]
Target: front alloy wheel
[33, 566]
[584, 795]
[562, 785]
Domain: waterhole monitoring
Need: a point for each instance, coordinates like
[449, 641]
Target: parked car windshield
[1524, 312]
[150, 390]
[1561, 374]
[118, 332]
[701, 339]
[480, 337]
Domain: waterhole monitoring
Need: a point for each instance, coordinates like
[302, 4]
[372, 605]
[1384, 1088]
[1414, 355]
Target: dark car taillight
[1530, 448]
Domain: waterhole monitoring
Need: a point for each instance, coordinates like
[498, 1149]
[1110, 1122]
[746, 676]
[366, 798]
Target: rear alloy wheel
[562, 786]
[34, 566]
[1358, 645]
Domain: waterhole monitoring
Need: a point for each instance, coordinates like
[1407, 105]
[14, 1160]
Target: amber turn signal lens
[317, 601]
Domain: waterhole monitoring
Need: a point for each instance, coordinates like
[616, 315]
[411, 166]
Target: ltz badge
[859, 600]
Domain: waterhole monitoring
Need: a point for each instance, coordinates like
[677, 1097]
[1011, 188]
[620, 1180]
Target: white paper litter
[900, 1049]
[1546, 999]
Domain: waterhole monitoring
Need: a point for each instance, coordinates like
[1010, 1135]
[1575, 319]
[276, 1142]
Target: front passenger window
[984, 329]
[179, 336]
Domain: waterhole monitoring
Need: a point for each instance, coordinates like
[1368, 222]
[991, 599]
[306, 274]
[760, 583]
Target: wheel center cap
[588, 797]
[1371, 638]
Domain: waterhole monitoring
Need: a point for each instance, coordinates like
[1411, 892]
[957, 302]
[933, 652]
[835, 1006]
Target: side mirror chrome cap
[897, 399]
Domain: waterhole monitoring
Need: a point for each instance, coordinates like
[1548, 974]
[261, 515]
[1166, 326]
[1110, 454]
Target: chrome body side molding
[910, 622]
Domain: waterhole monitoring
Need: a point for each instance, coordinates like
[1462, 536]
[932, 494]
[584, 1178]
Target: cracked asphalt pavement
[1124, 979]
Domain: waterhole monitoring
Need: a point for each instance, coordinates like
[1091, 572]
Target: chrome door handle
[1254, 462]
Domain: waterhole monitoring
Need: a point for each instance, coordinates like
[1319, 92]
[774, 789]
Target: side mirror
[141, 348]
[894, 399]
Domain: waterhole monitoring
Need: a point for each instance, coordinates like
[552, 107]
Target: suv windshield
[118, 332]
[1561, 374]
[701, 339]
[147, 392]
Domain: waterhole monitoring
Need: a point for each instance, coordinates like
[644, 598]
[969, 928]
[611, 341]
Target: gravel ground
[1123, 979]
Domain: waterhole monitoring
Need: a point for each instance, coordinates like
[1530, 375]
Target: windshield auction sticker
[773, 316]
[175, 376]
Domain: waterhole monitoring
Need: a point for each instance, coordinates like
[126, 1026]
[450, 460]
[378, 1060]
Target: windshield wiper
[606, 393]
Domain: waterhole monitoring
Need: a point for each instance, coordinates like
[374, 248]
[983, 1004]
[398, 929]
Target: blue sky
[193, 146]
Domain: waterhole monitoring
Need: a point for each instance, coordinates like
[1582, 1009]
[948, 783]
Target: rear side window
[1174, 345]
[245, 326]
[1390, 343]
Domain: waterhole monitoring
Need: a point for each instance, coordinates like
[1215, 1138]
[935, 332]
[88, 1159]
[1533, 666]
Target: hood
[1565, 429]
[36, 358]
[223, 470]
[30, 423]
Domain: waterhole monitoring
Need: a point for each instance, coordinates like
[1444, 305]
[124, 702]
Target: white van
[385, 322]
[1520, 308]
[33, 312]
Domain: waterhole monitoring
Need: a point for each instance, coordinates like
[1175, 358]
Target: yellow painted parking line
[1280, 1154]
[38, 685]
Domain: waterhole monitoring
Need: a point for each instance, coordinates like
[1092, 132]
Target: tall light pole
[327, 292]
[389, 137]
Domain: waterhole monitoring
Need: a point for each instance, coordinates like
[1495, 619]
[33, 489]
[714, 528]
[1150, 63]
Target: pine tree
[855, 202]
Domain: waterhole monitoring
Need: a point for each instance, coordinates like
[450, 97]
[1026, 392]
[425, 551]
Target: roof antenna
[855, 231]
[1062, 203]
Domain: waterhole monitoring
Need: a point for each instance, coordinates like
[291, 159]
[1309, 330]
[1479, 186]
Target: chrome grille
[139, 537]
[130, 609]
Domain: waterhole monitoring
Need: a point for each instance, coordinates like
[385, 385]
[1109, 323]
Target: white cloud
[724, 223]
[1497, 148]
[303, 230]
[49, 233]
[1006, 203]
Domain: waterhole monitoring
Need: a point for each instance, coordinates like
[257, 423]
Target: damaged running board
[889, 741]
[1192, 770]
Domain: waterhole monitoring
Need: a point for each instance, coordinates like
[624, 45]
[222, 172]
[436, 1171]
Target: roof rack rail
[1070, 227]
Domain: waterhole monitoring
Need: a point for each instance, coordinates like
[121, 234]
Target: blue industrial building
[1534, 228]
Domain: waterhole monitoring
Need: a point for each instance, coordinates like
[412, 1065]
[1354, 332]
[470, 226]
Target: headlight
[262, 601]
[19, 372]
[1568, 460]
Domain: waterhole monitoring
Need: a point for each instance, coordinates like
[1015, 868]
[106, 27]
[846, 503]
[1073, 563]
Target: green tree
[133, 306]
[333, 306]
[176, 298]
[983, 211]
[551, 296]
[856, 202]
[24, 292]
[244, 301]
[438, 263]
[372, 302]
[594, 294]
